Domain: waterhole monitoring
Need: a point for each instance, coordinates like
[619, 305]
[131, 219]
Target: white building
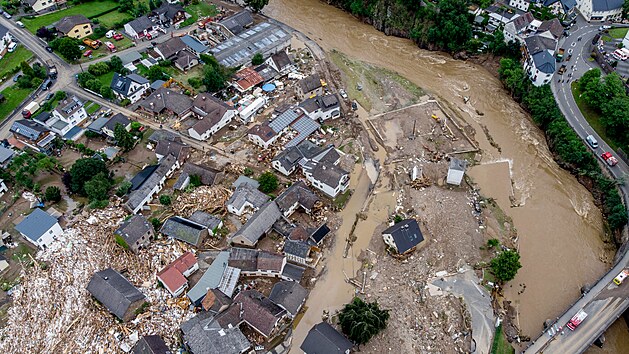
[131, 87]
[40, 5]
[68, 114]
[152, 185]
[213, 115]
[522, 5]
[324, 173]
[3, 188]
[5, 40]
[39, 228]
[321, 108]
[601, 10]
[539, 57]
[456, 171]
[262, 135]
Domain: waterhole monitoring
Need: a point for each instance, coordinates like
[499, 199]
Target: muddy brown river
[558, 225]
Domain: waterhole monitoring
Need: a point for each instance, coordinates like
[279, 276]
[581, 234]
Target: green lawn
[93, 107]
[13, 97]
[592, 116]
[501, 345]
[202, 9]
[11, 60]
[87, 9]
[106, 79]
[618, 32]
[108, 20]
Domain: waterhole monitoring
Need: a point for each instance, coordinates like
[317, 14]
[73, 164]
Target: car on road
[17, 77]
[592, 141]
[6, 15]
[604, 27]
[609, 158]
[343, 93]
[562, 70]
[49, 49]
[153, 44]
[50, 96]
[19, 23]
[576, 320]
[621, 277]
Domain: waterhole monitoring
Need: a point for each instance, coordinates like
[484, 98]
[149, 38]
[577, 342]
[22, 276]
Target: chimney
[159, 95]
[152, 104]
[203, 97]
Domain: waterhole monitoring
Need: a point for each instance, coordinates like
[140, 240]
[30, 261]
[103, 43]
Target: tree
[26, 69]
[625, 9]
[195, 82]
[505, 265]
[123, 188]
[69, 49]
[43, 32]
[256, 5]
[96, 189]
[268, 182]
[360, 320]
[195, 180]
[125, 6]
[99, 69]
[52, 194]
[152, 5]
[82, 171]
[257, 59]
[106, 92]
[155, 73]
[156, 223]
[60, 95]
[213, 79]
[164, 199]
[115, 64]
[123, 138]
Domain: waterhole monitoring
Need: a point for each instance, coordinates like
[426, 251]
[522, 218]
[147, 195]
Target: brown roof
[165, 99]
[298, 194]
[310, 83]
[176, 148]
[210, 109]
[264, 131]
[299, 234]
[230, 317]
[270, 261]
[172, 276]
[248, 78]
[171, 47]
[258, 311]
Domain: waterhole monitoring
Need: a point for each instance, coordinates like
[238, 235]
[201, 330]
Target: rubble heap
[52, 310]
[208, 199]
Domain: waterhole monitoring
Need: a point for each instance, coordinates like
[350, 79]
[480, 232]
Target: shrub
[121, 241]
[268, 182]
[164, 199]
[52, 194]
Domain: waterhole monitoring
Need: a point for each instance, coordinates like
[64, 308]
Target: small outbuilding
[456, 171]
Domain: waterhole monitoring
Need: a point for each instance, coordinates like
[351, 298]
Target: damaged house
[116, 294]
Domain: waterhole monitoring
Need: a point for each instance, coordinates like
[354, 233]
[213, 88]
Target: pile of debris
[52, 310]
[209, 199]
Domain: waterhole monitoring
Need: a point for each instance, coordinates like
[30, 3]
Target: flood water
[558, 225]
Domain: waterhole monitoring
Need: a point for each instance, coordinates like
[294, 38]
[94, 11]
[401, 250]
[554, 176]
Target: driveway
[479, 304]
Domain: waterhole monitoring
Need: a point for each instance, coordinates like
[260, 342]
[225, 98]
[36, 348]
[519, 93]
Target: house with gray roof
[170, 13]
[242, 180]
[130, 87]
[177, 148]
[403, 236]
[151, 345]
[456, 171]
[136, 231]
[296, 120]
[5, 40]
[39, 228]
[219, 275]
[296, 196]
[209, 221]
[309, 86]
[323, 338]
[246, 196]
[213, 115]
[289, 295]
[109, 127]
[322, 108]
[237, 22]
[184, 230]
[139, 27]
[41, 5]
[202, 334]
[256, 263]
[6, 155]
[32, 134]
[288, 160]
[259, 312]
[297, 251]
[116, 293]
[601, 10]
[151, 185]
[280, 62]
[165, 102]
[515, 29]
[194, 46]
[539, 51]
[324, 173]
[207, 175]
[257, 226]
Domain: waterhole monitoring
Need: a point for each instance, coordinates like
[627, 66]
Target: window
[76, 31]
[85, 26]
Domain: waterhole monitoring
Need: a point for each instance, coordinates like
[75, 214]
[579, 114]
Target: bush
[121, 241]
[135, 126]
[123, 188]
[268, 182]
[195, 82]
[125, 102]
[506, 265]
[248, 172]
[99, 69]
[164, 199]
[257, 59]
[90, 134]
[156, 223]
[195, 180]
[52, 194]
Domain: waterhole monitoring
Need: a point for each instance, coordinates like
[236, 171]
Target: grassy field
[11, 60]
[202, 9]
[500, 345]
[87, 9]
[108, 20]
[103, 51]
[93, 107]
[591, 115]
[106, 79]
[618, 32]
[13, 97]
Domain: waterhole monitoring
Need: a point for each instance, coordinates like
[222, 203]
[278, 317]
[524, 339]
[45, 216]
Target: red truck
[609, 158]
[576, 320]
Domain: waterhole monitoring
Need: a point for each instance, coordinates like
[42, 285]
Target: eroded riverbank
[558, 225]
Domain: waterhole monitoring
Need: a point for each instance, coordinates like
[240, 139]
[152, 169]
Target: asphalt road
[605, 301]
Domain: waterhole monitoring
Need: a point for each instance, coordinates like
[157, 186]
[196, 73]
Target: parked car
[19, 23]
[354, 105]
[50, 96]
[562, 70]
[343, 93]
[46, 84]
[110, 34]
[87, 53]
[621, 277]
[609, 158]
[81, 47]
[118, 36]
[17, 77]
[12, 47]
[6, 15]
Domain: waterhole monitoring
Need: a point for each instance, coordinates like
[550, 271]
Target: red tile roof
[248, 78]
[172, 276]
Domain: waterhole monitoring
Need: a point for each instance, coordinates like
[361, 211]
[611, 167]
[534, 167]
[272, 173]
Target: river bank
[557, 220]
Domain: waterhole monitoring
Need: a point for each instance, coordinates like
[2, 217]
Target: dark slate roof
[171, 47]
[289, 295]
[113, 291]
[247, 194]
[122, 84]
[205, 336]
[310, 83]
[67, 23]
[325, 103]
[281, 59]
[3, 31]
[568, 4]
[320, 233]
[5, 154]
[523, 21]
[292, 156]
[245, 259]
[606, 5]
[258, 311]
[36, 224]
[210, 109]
[137, 196]
[215, 301]
[134, 228]
[544, 62]
[118, 118]
[324, 170]
[183, 230]
[458, 165]
[142, 176]
[163, 98]
[296, 248]
[194, 44]
[28, 128]
[169, 10]
[537, 43]
[175, 148]
[259, 222]
[554, 26]
[140, 24]
[298, 193]
[208, 175]
[237, 22]
[151, 345]
[324, 339]
[293, 272]
[44, 117]
[161, 134]
[209, 221]
[406, 234]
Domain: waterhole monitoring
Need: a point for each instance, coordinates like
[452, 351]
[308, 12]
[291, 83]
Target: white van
[12, 47]
[592, 141]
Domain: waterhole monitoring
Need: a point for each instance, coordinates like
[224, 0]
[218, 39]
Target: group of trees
[90, 178]
[506, 265]
[23, 169]
[215, 75]
[135, 9]
[569, 149]
[31, 77]
[256, 5]
[268, 182]
[90, 81]
[609, 98]
[68, 48]
[360, 320]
